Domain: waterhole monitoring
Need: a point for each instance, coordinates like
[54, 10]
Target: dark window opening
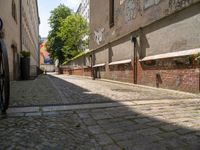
[112, 10]
[14, 11]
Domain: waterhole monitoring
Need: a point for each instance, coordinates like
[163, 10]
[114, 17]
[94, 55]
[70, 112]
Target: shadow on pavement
[136, 127]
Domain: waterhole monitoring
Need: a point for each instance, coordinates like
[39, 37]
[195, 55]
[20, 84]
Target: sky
[45, 7]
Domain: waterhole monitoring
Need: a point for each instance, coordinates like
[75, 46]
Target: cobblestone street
[50, 90]
[74, 113]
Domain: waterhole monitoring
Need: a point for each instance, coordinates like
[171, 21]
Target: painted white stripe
[120, 62]
[86, 67]
[172, 54]
[99, 65]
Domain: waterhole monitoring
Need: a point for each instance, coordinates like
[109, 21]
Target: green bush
[25, 54]
[197, 57]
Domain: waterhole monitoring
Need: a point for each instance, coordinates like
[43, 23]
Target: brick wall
[175, 73]
[121, 72]
[100, 72]
[87, 72]
[78, 72]
[180, 77]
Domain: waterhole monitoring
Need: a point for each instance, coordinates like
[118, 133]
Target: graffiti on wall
[132, 9]
[178, 4]
[150, 3]
[121, 2]
[98, 36]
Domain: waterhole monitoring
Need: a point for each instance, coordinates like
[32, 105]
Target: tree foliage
[54, 43]
[68, 35]
[74, 35]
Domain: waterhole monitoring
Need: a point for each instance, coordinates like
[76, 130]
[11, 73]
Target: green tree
[74, 34]
[54, 44]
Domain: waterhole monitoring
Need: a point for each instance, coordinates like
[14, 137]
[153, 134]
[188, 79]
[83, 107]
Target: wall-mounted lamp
[133, 39]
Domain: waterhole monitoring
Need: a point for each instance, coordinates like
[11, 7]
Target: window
[112, 10]
[14, 11]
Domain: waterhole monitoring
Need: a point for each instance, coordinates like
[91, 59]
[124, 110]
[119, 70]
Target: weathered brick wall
[100, 72]
[121, 72]
[78, 72]
[66, 71]
[87, 72]
[183, 77]
[162, 74]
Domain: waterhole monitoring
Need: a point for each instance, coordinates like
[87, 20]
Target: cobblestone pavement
[33, 92]
[79, 90]
[155, 120]
[141, 125]
[50, 90]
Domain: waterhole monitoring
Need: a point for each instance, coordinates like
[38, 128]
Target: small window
[14, 11]
[111, 15]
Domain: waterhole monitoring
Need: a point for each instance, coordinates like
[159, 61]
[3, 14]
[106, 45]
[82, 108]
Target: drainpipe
[20, 26]
[20, 5]
[92, 69]
[134, 41]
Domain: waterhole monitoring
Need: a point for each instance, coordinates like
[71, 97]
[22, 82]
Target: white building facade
[84, 9]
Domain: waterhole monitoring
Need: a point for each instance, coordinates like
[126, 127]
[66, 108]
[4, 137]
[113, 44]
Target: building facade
[84, 9]
[146, 42]
[21, 32]
[10, 15]
[30, 33]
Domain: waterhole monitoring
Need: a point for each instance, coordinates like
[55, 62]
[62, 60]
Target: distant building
[21, 30]
[84, 9]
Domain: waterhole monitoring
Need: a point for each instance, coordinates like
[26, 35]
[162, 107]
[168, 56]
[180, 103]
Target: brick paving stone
[114, 130]
[103, 139]
[136, 127]
[169, 127]
[52, 90]
[183, 131]
[126, 145]
[52, 132]
[34, 92]
[95, 129]
[168, 135]
[84, 115]
[101, 115]
[122, 136]
[149, 131]
[143, 120]
[112, 147]
[89, 121]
